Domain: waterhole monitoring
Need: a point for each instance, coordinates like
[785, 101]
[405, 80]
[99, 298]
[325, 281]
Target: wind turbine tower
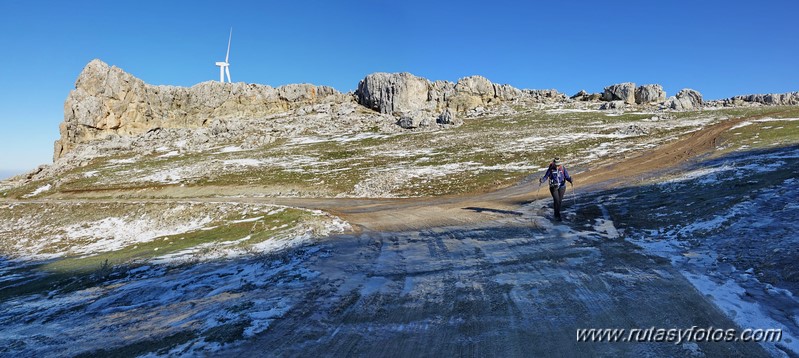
[224, 67]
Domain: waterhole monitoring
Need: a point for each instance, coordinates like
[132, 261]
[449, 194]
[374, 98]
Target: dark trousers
[557, 195]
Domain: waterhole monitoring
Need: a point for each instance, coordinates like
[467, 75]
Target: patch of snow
[230, 149]
[247, 162]
[123, 161]
[733, 300]
[169, 176]
[90, 174]
[762, 120]
[114, 233]
[39, 190]
[170, 154]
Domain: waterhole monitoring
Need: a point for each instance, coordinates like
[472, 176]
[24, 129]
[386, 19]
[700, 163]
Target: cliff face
[406, 94]
[107, 100]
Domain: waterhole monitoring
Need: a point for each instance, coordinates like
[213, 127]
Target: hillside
[401, 219]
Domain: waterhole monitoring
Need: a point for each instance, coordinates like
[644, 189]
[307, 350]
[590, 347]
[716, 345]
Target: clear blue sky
[721, 48]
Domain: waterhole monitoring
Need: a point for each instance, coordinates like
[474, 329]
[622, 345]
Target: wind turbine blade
[227, 70]
[228, 45]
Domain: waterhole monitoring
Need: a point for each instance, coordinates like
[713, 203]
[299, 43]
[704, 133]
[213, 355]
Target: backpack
[556, 177]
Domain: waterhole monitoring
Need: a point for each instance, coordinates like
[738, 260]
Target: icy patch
[570, 110]
[247, 162]
[39, 190]
[735, 302]
[230, 149]
[768, 119]
[741, 125]
[170, 176]
[170, 154]
[113, 233]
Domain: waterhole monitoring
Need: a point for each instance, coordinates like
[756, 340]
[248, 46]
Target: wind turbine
[224, 67]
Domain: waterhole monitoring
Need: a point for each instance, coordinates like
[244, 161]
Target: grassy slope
[482, 154]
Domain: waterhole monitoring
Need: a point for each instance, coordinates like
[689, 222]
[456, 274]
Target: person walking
[558, 176]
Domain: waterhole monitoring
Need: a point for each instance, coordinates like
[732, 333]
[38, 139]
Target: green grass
[259, 231]
[340, 166]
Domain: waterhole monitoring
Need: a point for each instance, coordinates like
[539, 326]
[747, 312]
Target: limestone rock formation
[620, 92]
[647, 94]
[685, 100]
[403, 93]
[393, 93]
[612, 105]
[107, 101]
[769, 99]
[448, 117]
[585, 96]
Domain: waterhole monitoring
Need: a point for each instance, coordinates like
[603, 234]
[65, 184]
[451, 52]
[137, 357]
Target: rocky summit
[108, 104]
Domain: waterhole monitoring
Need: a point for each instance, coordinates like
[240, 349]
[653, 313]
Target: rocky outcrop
[585, 96]
[400, 94]
[393, 93]
[648, 94]
[612, 105]
[448, 117]
[685, 100]
[620, 92]
[107, 101]
[769, 99]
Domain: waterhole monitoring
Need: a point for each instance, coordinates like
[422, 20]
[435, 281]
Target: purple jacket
[566, 176]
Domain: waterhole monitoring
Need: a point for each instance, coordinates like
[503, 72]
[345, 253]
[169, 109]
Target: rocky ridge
[114, 110]
[107, 101]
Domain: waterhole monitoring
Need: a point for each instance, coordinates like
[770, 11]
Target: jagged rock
[393, 93]
[409, 122]
[769, 99]
[107, 100]
[580, 96]
[612, 105]
[622, 91]
[685, 100]
[632, 130]
[586, 97]
[403, 93]
[448, 117]
[650, 94]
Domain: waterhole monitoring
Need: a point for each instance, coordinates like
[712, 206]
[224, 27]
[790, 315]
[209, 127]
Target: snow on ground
[123, 161]
[113, 233]
[736, 302]
[39, 190]
[230, 149]
[244, 162]
[169, 154]
[153, 300]
[727, 255]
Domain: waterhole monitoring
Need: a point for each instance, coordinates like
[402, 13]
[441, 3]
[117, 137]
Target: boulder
[620, 92]
[448, 117]
[685, 100]
[393, 93]
[580, 96]
[409, 122]
[612, 105]
[647, 94]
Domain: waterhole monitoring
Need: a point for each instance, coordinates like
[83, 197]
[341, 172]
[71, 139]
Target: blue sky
[721, 48]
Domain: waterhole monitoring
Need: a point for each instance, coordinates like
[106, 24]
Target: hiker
[558, 176]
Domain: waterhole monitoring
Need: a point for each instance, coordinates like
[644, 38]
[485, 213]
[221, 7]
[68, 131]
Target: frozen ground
[516, 286]
[729, 226]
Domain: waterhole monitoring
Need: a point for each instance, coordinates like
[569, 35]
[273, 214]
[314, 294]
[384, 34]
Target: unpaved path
[418, 213]
[485, 275]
